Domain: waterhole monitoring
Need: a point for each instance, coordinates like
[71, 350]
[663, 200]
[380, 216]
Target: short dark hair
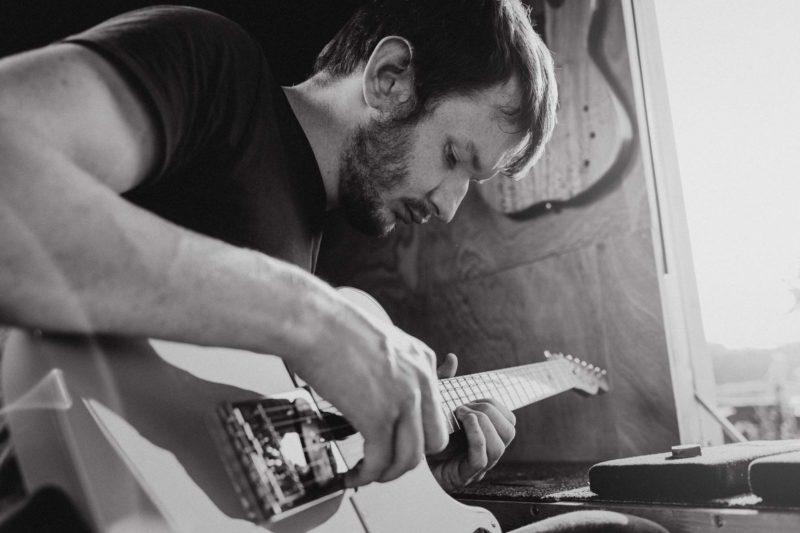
[460, 47]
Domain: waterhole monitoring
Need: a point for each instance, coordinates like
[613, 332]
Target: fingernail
[461, 410]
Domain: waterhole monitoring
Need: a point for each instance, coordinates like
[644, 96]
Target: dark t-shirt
[233, 161]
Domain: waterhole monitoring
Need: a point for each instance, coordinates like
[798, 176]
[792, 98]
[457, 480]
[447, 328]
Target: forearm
[78, 258]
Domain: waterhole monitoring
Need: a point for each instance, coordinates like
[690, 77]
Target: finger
[377, 458]
[498, 406]
[433, 421]
[498, 419]
[493, 443]
[476, 459]
[448, 367]
[407, 443]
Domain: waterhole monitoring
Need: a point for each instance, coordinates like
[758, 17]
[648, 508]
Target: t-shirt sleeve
[197, 72]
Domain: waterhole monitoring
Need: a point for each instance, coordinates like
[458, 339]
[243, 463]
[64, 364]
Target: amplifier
[739, 488]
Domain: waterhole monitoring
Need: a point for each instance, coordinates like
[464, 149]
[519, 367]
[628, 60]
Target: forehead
[477, 120]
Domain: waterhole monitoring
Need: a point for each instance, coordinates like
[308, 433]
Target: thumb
[448, 367]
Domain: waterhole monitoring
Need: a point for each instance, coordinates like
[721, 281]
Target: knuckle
[479, 462]
[413, 397]
[512, 432]
[428, 359]
[407, 392]
[480, 406]
[424, 374]
[482, 417]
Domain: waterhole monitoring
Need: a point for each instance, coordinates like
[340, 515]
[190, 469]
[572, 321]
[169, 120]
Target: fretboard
[514, 387]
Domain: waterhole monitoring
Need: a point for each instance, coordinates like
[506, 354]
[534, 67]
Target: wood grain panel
[596, 303]
[599, 302]
[498, 291]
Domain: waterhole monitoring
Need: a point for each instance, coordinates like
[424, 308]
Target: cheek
[420, 181]
[425, 169]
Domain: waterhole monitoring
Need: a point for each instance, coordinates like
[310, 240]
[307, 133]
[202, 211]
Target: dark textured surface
[569, 482]
[777, 478]
[528, 481]
[720, 471]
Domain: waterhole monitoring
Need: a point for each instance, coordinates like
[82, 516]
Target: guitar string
[306, 448]
[313, 463]
[334, 427]
[473, 384]
[472, 381]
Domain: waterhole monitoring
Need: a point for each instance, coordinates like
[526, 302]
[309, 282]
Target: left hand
[487, 429]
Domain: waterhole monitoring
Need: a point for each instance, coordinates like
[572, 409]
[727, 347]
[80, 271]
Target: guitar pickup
[279, 455]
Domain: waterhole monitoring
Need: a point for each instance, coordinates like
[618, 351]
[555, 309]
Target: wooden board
[498, 291]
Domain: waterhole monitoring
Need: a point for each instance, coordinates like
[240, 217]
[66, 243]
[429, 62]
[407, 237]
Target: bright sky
[733, 76]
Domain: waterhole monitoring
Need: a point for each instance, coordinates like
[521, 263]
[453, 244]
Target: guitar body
[593, 139]
[127, 429]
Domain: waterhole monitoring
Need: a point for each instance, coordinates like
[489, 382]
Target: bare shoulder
[74, 100]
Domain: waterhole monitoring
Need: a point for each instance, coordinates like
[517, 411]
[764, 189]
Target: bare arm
[79, 258]
[76, 257]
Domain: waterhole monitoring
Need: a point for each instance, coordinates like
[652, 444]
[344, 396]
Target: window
[732, 70]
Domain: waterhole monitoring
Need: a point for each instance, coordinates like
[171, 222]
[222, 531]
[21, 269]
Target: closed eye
[450, 156]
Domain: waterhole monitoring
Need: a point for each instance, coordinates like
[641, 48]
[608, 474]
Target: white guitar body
[125, 428]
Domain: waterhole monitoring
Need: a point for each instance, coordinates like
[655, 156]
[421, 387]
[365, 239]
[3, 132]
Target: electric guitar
[148, 435]
[594, 138]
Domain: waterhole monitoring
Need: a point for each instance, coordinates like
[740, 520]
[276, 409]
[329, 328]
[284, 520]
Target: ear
[388, 79]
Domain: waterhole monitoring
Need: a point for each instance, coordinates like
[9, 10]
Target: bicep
[79, 105]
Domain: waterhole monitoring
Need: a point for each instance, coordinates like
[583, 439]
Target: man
[155, 181]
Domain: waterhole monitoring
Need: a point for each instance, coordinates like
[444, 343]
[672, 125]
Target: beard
[373, 163]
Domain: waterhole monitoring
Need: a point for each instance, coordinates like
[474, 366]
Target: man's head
[463, 89]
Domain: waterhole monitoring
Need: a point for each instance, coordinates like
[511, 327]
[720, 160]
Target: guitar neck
[514, 387]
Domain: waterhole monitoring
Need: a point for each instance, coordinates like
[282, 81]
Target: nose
[448, 196]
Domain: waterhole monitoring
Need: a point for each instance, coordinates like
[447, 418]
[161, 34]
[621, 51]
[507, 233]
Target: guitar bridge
[278, 456]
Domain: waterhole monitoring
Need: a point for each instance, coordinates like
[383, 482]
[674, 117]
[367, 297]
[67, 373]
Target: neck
[513, 387]
[327, 112]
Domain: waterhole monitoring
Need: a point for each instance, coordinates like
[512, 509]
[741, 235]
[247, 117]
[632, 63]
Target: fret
[477, 383]
[474, 389]
[505, 389]
[532, 384]
[452, 421]
[463, 396]
[529, 385]
[447, 414]
[515, 387]
[523, 389]
[484, 385]
[452, 400]
[454, 390]
[520, 387]
[450, 404]
[537, 389]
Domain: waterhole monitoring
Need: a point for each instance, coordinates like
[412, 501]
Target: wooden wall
[498, 291]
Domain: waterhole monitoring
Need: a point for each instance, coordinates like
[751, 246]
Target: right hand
[384, 382]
